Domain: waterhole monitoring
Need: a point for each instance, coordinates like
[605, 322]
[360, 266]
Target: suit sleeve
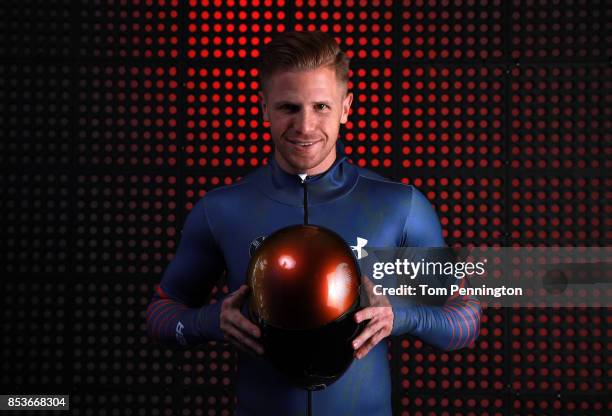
[176, 314]
[451, 326]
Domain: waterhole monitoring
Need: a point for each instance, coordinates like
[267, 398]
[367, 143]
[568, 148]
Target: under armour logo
[358, 249]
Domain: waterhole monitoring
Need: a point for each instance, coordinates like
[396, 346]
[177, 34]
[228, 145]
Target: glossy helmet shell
[305, 283]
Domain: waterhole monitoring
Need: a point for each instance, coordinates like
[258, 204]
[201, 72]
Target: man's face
[305, 110]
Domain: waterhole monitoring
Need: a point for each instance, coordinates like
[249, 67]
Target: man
[305, 98]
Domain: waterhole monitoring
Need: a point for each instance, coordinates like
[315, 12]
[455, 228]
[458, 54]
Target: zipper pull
[303, 176]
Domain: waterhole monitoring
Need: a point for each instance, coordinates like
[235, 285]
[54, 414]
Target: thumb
[375, 300]
[366, 289]
[239, 295]
[365, 280]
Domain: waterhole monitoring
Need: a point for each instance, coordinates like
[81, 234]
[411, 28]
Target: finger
[244, 329]
[368, 332]
[243, 339]
[382, 300]
[367, 288]
[237, 298]
[370, 343]
[234, 342]
[246, 345]
[373, 299]
[366, 313]
[233, 321]
[245, 325]
[365, 280]
[252, 345]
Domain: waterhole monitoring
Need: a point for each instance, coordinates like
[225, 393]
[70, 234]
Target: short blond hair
[303, 51]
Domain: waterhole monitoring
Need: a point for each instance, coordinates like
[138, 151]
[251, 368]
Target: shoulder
[235, 193]
[386, 188]
[219, 205]
[407, 198]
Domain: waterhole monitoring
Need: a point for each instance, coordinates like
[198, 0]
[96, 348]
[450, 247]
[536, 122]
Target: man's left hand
[380, 315]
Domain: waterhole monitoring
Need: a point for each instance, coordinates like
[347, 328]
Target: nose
[305, 121]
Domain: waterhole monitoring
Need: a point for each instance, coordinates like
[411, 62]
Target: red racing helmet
[305, 284]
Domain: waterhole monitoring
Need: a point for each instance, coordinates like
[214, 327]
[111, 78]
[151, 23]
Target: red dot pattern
[148, 29]
[555, 406]
[476, 368]
[560, 350]
[216, 403]
[36, 29]
[127, 116]
[125, 224]
[429, 405]
[107, 327]
[555, 30]
[154, 404]
[452, 30]
[452, 117]
[559, 210]
[209, 368]
[224, 128]
[232, 29]
[471, 210]
[363, 32]
[35, 230]
[196, 186]
[560, 118]
[36, 353]
[36, 115]
[367, 135]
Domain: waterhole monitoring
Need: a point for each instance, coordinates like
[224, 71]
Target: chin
[301, 167]
[301, 163]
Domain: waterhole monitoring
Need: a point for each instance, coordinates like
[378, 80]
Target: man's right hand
[237, 329]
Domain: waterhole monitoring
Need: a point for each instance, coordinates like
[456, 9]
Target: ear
[264, 106]
[346, 106]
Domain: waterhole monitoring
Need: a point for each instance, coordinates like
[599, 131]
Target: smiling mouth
[302, 143]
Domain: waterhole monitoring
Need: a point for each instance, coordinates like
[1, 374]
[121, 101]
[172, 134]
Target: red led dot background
[118, 116]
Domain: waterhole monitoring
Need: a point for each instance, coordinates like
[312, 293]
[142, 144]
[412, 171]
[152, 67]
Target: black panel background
[100, 162]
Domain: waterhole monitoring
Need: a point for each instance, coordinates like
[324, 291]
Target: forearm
[452, 326]
[174, 315]
[173, 323]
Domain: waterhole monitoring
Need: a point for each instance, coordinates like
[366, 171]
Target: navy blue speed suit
[353, 202]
